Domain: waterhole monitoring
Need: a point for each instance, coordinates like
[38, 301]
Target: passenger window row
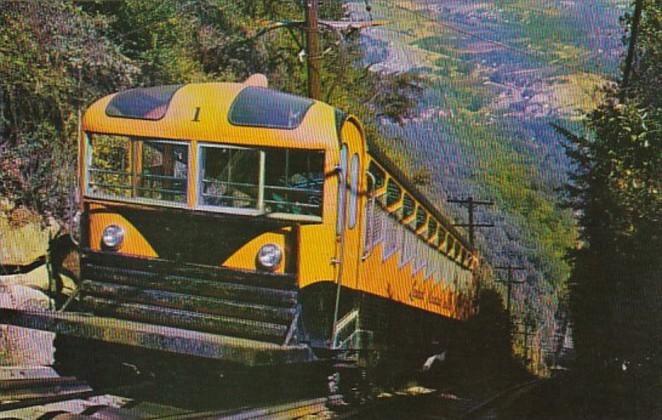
[403, 209]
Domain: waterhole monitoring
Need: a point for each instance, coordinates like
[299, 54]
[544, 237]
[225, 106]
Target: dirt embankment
[23, 283]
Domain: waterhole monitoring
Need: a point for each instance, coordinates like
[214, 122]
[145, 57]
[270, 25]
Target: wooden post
[313, 56]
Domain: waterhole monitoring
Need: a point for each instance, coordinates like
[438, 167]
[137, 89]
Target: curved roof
[232, 113]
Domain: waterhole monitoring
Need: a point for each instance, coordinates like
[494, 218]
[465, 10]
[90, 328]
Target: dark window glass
[229, 177]
[421, 217]
[260, 107]
[432, 228]
[408, 206]
[293, 181]
[142, 103]
[163, 175]
[439, 237]
[379, 175]
[446, 241]
[353, 191]
[393, 193]
[456, 249]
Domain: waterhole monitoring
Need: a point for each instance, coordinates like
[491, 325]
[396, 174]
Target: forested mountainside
[498, 74]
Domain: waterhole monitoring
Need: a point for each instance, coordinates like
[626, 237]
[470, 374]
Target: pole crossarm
[510, 282]
[335, 25]
[471, 203]
[348, 26]
[478, 202]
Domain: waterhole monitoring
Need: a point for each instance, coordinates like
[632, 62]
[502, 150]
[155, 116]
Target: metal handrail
[369, 223]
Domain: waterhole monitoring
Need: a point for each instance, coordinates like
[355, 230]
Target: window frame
[193, 178]
[259, 211]
[392, 207]
[408, 216]
[341, 199]
[228, 209]
[353, 202]
[89, 150]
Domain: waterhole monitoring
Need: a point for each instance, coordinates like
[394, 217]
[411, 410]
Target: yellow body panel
[317, 131]
[245, 257]
[352, 242]
[387, 279]
[134, 242]
[317, 254]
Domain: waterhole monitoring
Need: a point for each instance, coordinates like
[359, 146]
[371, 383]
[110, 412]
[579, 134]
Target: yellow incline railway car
[243, 212]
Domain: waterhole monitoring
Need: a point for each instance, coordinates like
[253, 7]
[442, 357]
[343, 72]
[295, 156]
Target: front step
[206, 272]
[188, 302]
[189, 320]
[253, 305]
[192, 286]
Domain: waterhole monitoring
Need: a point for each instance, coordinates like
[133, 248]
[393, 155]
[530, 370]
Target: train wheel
[352, 383]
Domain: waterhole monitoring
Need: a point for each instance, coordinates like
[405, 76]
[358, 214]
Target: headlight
[269, 257]
[113, 236]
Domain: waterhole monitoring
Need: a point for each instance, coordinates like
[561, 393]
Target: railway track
[489, 407]
[444, 405]
[39, 393]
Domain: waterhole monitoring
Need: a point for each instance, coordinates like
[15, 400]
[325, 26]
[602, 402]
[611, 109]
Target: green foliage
[53, 60]
[56, 58]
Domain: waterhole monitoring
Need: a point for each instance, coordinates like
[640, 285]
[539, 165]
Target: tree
[53, 60]
[615, 285]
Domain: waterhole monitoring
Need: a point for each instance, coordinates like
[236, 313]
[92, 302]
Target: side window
[393, 192]
[443, 240]
[342, 189]
[353, 190]
[407, 206]
[164, 171]
[432, 230]
[229, 177]
[379, 175]
[421, 217]
[457, 248]
[293, 181]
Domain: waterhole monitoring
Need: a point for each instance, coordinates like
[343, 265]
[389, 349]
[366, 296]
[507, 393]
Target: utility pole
[471, 203]
[313, 55]
[528, 326]
[634, 31]
[509, 283]
[528, 333]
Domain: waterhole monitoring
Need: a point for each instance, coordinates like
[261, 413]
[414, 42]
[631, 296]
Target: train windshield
[273, 180]
[140, 169]
[229, 178]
